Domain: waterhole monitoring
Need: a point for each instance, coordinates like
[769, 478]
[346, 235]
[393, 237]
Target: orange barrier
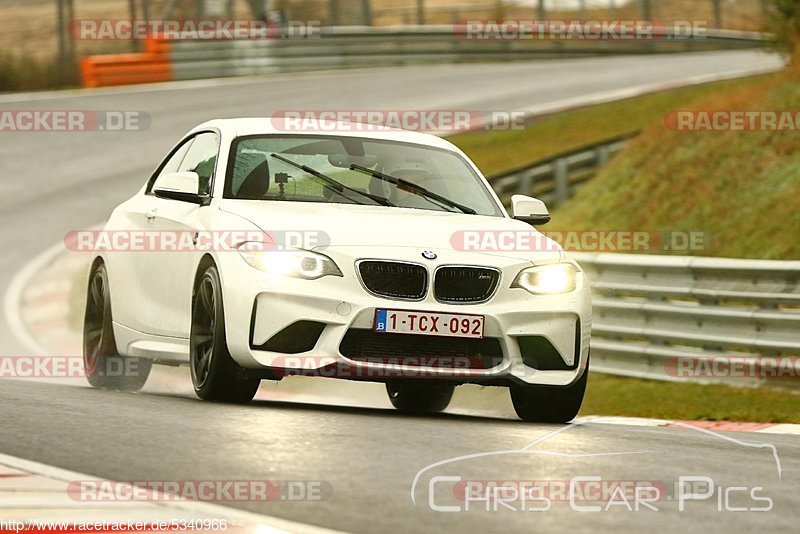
[152, 65]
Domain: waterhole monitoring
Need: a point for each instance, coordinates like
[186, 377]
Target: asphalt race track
[344, 436]
[367, 458]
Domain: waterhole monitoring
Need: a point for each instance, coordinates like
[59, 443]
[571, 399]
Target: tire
[215, 375]
[547, 404]
[105, 368]
[419, 397]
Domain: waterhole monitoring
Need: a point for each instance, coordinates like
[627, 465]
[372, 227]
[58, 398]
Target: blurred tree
[783, 19]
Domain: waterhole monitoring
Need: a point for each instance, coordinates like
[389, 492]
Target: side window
[202, 158]
[172, 163]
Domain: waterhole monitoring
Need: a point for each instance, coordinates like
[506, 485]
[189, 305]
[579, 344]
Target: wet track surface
[364, 454]
[366, 459]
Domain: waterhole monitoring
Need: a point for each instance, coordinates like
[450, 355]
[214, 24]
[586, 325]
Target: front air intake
[394, 280]
[465, 285]
[368, 346]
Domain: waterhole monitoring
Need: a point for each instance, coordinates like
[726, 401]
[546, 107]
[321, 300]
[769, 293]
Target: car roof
[241, 127]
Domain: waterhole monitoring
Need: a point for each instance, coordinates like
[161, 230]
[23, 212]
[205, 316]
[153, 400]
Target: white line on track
[163, 86]
[639, 90]
[12, 303]
[551, 107]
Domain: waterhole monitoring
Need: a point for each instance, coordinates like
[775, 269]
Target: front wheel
[215, 375]
[105, 368]
[548, 404]
[419, 397]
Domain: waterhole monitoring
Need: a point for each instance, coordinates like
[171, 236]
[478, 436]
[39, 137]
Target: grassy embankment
[741, 188]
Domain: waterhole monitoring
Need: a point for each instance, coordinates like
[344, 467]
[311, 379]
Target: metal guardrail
[554, 179]
[365, 46]
[341, 47]
[653, 312]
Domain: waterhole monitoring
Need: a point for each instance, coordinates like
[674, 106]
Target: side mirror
[530, 210]
[183, 186]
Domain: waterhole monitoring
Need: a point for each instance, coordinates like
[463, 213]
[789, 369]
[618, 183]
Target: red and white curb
[721, 426]
[32, 493]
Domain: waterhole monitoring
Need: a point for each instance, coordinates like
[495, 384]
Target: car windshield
[339, 170]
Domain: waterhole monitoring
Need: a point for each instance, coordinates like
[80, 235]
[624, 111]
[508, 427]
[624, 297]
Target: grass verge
[498, 151]
[739, 188]
[633, 397]
[648, 186]
[27, 73]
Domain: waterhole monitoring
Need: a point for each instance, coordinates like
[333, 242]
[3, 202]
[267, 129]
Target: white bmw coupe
[254, 252]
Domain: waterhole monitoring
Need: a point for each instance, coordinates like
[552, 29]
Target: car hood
[340, 226]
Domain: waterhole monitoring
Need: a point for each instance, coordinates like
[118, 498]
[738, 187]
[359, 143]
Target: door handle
[151, 214]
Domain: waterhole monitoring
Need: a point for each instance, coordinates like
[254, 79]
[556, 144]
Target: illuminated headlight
[288, 262]
[548, 279]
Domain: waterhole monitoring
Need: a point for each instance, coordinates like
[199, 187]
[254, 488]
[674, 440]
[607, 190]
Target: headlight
[548, 279]
[288, 262]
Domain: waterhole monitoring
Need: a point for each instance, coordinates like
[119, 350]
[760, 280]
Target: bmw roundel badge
[429, 255]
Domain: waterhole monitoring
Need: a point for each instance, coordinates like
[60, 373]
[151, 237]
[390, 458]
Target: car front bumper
[259, 306]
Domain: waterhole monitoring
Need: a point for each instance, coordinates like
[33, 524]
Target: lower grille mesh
[423, 351]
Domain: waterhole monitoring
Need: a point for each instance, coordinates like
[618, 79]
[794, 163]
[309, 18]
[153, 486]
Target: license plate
[429, 324]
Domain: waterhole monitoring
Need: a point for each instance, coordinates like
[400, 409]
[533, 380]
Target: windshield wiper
[414, 188]
[336, 185]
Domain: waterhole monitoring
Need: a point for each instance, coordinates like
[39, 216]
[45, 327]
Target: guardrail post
[132, 14]
[562, 180]
[717, 14]
[169, 9]
[647, 12]
[602, 155]
[62, 34]
[525, 185]
[367, 12]
[334, 12]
